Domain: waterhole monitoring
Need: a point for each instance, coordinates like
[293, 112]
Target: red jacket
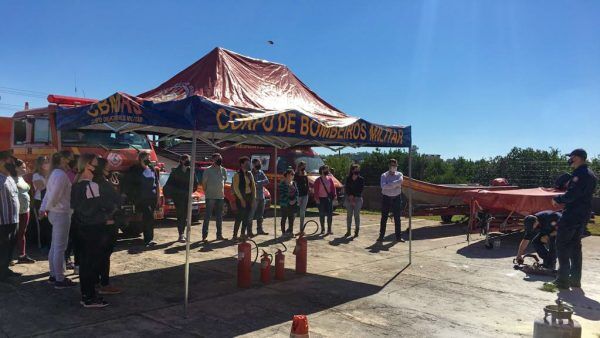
[319, 185]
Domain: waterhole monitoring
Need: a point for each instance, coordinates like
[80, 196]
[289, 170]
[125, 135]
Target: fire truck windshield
[111, 140]
[313, 163]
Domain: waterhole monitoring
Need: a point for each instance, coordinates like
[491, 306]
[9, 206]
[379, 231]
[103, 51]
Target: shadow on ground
[477, 249]
[237, 311]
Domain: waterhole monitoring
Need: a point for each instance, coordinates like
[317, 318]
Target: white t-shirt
[38, 192]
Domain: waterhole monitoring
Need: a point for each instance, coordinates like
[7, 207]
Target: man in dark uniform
[541, 229]
[577, 201]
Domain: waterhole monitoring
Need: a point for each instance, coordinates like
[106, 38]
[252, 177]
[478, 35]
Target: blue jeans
[568, 247]
[325, 210]
[302, 203]
[258, 213]
[353, 211]
[217, 206]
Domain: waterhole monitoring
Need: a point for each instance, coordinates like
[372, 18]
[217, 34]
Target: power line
[22, 92]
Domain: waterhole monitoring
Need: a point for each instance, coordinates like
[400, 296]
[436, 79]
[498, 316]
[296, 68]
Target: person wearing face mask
[391, 189]
[93, 203]
[324, 192]
[73, 247]
[288, 201]
[177, 188]
[244, 190]
[41, 170]
[577, 202]
[213, 184]
[110, 230]
[57, 206]
[301, 180]
[9, 214]
[24, 203]
[354, 187]
[141, 187]
[258, 209]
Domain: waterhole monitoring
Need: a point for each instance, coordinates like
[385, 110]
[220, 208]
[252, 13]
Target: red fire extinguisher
[265, 267]
[244, 265]
[300, 251]
[279, 265]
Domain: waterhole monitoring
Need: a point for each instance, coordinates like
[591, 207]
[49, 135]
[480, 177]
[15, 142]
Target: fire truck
[34, 134]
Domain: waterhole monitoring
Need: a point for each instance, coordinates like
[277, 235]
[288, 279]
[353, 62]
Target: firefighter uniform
[543, 237]
[577, 202]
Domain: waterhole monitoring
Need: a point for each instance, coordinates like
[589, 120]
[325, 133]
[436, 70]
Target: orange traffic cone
[299, 327]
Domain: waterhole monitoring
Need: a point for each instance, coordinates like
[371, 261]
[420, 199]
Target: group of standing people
[81, 207]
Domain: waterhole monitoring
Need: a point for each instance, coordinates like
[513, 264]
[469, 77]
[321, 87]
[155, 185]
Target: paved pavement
[355, 287]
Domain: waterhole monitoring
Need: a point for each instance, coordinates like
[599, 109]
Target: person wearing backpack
[93, 204]
[324, 194]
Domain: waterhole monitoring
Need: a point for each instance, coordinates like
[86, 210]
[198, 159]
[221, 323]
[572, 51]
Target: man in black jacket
[141, 187]
[177, 188]
[577, 203]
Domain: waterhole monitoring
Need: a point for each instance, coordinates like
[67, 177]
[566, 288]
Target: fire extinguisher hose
[284, 247]
[255, 247]
[316, 227]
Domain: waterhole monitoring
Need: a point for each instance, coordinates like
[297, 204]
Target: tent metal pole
[275, 194]
[410, 206]
[189, 224]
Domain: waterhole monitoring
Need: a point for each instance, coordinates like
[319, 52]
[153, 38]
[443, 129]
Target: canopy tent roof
[229, 97]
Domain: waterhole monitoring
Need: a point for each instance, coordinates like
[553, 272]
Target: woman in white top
[57, 205]
[24, 202]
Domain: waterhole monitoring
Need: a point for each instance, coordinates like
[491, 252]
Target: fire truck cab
[34, 134]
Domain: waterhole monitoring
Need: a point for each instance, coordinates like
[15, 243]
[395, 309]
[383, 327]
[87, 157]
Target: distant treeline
[525, 168]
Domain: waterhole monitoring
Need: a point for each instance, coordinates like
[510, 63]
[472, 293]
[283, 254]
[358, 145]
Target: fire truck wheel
[447, 219]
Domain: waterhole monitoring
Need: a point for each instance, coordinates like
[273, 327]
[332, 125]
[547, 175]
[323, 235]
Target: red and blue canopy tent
[226, 99]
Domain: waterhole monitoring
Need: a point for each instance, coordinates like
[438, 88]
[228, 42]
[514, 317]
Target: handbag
[326, 190]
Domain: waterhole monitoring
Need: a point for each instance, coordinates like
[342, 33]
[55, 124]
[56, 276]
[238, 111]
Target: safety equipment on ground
[300, 251]
[245, 263]
[532, 269]
[279, 265]
[265, 267]
[299, 327]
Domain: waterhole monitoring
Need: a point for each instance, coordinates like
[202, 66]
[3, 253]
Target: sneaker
[400, 239]
[94, 303]
[150, 244]
[11, 263]
[329, 232]
[322, 231]
[76, 270]
[356, 234]
[234, 238]
[109, 290]
[347, 234]
[380, 239]
[51, 280]
[25, 260]
[70, 265]
[181, 239]
[221, 238]
[65, 284]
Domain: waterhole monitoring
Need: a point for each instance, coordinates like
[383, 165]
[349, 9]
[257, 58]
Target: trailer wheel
[447, 219]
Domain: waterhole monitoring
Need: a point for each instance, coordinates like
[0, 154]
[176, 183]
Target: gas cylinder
[244, 272]
[265, 268]
[279, 265]
[300, 251]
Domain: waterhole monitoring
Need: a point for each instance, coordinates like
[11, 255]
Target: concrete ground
[355, 287]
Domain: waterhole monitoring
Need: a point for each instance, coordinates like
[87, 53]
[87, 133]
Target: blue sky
[473, 78]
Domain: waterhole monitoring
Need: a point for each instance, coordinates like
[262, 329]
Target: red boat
[445, 200]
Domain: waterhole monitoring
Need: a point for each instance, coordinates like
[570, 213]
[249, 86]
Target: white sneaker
[181, 239]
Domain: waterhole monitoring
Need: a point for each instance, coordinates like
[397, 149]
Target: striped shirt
[9, 201]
